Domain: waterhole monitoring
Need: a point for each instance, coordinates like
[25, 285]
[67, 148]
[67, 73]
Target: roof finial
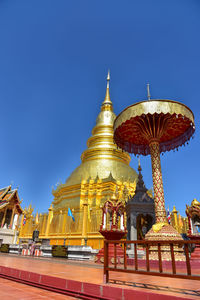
[148, 92]
[139, 166]
[107, 97]
[108, 79]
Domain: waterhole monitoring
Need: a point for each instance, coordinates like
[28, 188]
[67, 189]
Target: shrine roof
[3, 203]
[3, 189]
[6, 195]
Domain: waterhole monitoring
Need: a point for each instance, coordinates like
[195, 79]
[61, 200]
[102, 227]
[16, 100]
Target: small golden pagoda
[179, 222]
[103, 167]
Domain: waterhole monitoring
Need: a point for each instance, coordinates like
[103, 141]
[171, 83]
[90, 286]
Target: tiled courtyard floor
[16, 291]
[92, 273]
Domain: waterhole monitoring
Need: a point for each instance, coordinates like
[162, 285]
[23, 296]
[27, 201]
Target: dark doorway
[8, 217]
[1, 217]
[144, 224]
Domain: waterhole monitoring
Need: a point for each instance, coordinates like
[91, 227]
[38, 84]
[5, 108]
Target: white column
[191, 223]
[15, 221]
[133, 233]
[104, 220]
[122, 222]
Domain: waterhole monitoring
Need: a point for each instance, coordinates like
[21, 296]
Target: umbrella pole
[159, 200]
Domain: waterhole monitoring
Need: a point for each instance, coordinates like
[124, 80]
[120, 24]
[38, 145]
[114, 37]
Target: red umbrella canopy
[169, 122]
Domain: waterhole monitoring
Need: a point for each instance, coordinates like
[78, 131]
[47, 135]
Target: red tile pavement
[16, 291]
[87, 277]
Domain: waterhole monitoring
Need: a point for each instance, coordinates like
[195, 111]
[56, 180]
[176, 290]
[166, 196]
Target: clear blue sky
[54, 57]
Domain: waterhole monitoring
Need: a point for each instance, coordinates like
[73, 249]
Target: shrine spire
[107, 97]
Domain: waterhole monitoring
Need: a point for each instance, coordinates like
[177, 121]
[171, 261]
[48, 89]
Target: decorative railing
[186, 269]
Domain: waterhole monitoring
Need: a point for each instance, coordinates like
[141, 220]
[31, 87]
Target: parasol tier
[170, 123]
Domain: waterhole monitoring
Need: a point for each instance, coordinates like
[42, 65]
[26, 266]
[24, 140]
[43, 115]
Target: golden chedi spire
[102, 156]
[107, 97]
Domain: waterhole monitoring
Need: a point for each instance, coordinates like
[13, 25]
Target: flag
[168, 216]
[70, 214]
[24, 220]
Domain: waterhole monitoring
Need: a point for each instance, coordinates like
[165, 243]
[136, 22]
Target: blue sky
[54, 57]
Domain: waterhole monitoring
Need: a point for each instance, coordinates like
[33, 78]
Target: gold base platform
[165, 233]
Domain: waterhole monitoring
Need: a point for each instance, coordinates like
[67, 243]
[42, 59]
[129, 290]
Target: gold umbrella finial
[148, 92]
[139, 165]
[139, 162]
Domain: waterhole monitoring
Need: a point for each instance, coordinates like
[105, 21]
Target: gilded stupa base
[165, 232]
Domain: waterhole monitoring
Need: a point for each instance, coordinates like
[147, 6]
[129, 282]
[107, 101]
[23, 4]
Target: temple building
[10, 212]
[140, 210]
[75, 215]
[103, 167]
[193, 214]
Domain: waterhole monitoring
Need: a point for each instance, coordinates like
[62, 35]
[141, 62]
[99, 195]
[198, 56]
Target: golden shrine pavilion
[103, 167]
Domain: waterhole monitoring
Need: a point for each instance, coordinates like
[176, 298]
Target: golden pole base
[165, 233]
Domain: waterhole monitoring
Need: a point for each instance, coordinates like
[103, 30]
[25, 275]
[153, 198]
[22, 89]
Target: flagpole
[70, 223]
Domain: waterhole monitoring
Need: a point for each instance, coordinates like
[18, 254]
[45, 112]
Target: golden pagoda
[103, 167]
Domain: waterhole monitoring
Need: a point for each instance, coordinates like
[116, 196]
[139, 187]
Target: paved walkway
[16, 291]
[91, 273]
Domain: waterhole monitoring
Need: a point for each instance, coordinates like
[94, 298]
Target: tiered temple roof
[7, 195]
